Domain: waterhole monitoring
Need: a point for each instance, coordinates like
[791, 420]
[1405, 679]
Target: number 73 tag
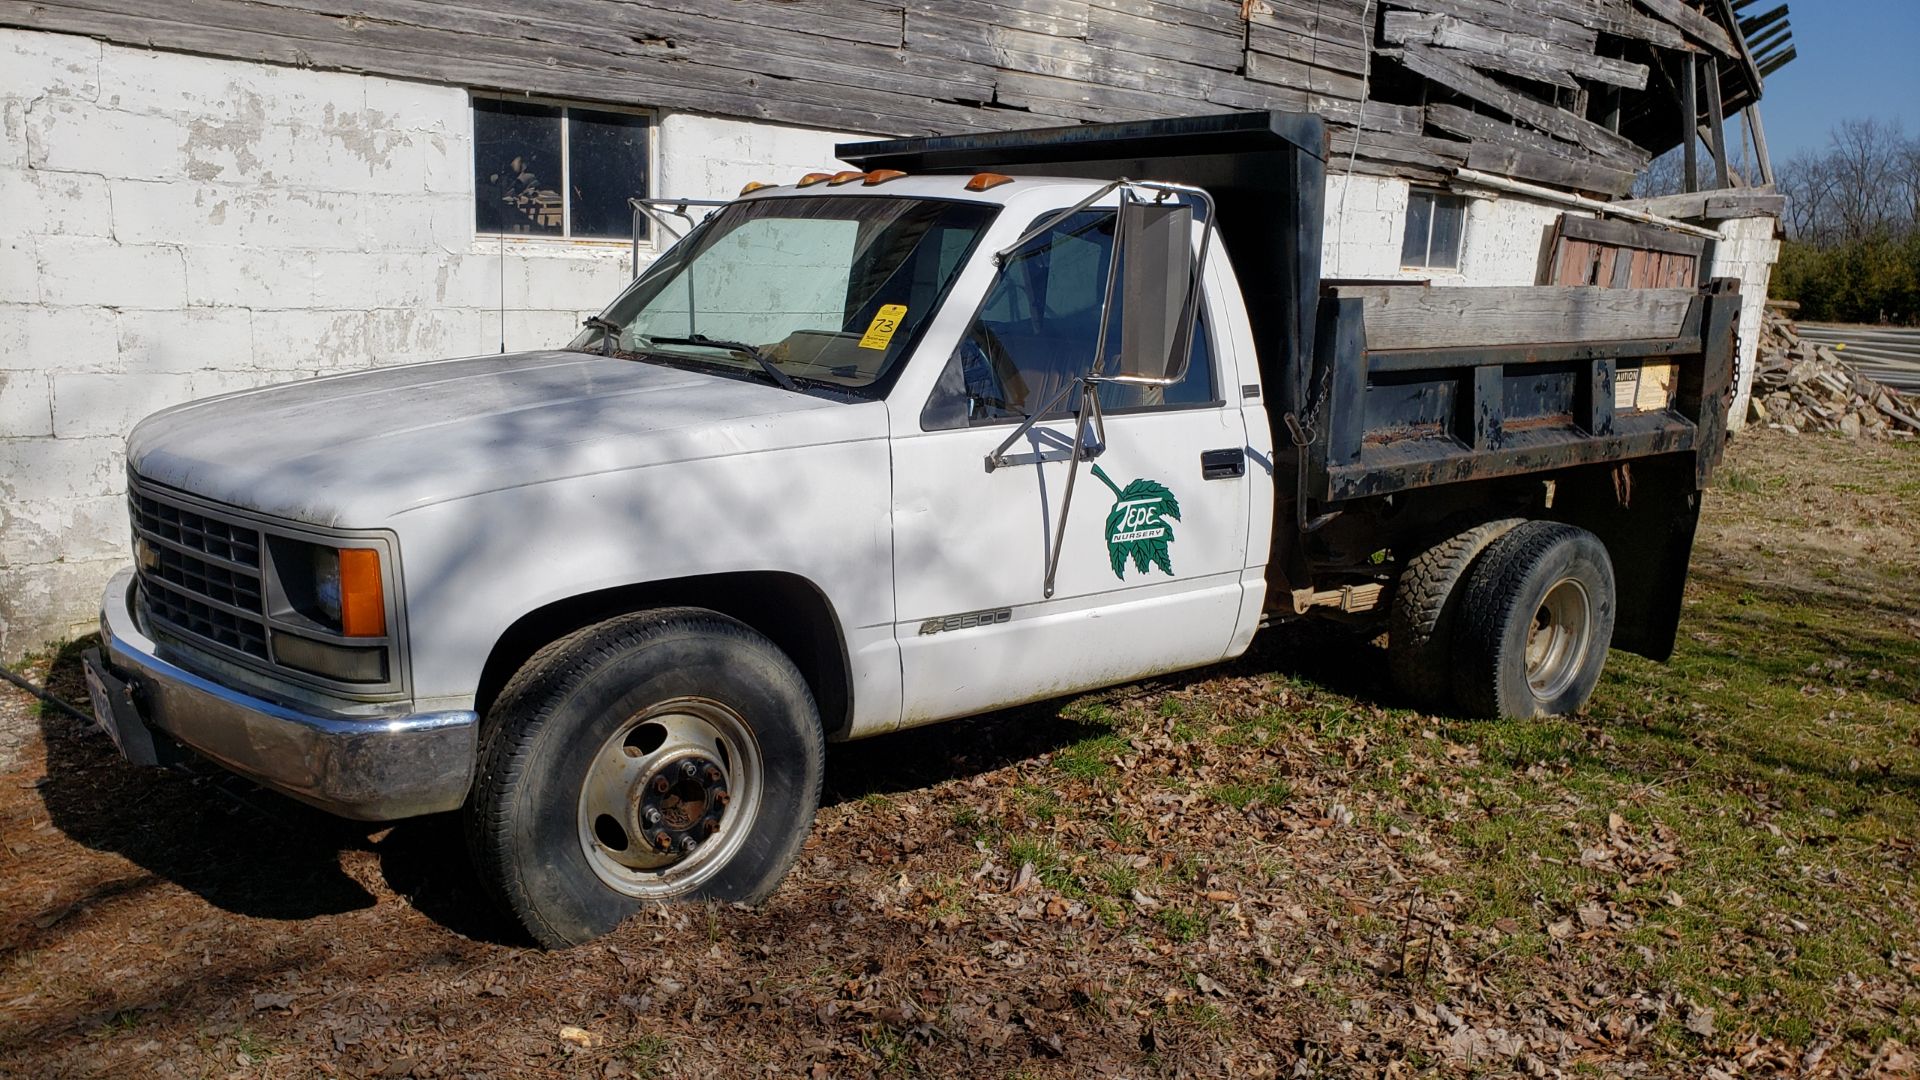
[881, 330]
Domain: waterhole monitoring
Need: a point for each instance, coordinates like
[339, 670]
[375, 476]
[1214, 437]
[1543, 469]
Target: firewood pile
[1801, 386]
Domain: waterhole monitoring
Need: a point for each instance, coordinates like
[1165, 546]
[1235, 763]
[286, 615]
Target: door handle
[1223, 464]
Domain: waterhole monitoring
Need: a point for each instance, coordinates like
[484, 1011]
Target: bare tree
[1865, 157]
[1866, 183]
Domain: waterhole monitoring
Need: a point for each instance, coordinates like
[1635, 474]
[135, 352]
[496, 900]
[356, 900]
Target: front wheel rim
[1558, 639]
[669, 798]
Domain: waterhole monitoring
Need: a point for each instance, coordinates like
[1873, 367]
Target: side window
[557, 170]
[1038, 328]
[1436, 224]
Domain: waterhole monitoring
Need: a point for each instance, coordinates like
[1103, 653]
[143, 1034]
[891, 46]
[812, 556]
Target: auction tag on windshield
[885, 321]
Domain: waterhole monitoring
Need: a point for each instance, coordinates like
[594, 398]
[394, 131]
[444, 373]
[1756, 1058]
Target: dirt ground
[1268, 868]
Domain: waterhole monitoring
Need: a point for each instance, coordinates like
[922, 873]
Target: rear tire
[666, 755]
[1426, 602]
[1535, 621]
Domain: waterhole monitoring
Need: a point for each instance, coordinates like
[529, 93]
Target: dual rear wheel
[1509, 618]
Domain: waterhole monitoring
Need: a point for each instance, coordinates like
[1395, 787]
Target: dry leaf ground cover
[1265, 869]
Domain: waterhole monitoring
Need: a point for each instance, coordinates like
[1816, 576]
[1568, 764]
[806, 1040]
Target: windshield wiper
[772, 369]
[609, 332]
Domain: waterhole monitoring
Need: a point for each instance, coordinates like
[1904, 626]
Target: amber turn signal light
[987, 181]
[846, 177]
[881, 176]
[813, 178]
[363, 606]
[754, 186]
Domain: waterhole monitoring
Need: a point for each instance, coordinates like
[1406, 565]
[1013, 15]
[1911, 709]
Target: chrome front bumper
[375, 768]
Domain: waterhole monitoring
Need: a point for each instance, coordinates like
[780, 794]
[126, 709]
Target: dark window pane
[609, 166]
[1449, 224]
[1413, 247]
[516, 167]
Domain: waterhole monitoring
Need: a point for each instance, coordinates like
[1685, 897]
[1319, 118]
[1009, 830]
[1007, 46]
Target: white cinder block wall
[175, 226]
[1367, 219]
[1747, 250]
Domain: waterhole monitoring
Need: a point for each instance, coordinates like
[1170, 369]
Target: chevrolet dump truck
[979, 421]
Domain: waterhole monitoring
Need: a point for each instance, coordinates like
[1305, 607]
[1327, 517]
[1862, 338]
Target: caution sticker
[881, 330]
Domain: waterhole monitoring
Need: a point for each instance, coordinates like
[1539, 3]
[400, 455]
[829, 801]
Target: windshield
[830, 289]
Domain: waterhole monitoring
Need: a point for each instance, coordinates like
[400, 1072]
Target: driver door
[1150, 571]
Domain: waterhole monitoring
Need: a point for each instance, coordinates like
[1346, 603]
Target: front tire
[666, 755]
[1534, 624]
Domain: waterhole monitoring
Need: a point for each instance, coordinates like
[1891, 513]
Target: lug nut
[662, 841]
[689, 844]
[689, 770]
[722, 797]
[711, 826]
[713, 775]
[653, 815]
[660, 784]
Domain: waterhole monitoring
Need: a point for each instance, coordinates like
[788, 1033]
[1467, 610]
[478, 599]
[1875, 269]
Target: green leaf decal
[1140, 525]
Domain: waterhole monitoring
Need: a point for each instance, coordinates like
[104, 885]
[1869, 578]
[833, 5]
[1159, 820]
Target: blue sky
[1858, 58]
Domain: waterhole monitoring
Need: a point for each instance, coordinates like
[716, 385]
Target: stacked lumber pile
[1800, 386]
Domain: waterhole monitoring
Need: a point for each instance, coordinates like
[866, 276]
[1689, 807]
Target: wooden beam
[1759, 133]
[1690, 118]
[1717, 127]
[1629, 234]
[1414, 317]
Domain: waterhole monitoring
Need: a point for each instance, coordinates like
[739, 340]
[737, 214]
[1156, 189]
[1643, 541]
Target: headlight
[339, 588]
[329, 592]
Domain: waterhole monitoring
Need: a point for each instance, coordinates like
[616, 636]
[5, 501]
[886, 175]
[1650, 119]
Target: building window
[543, 169]
[1436, 224]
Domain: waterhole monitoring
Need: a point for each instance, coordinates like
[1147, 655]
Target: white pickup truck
[974, 423]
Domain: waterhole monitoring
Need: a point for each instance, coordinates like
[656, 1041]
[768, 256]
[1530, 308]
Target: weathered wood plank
[1267, 68]
[1631, 234]
[1610, 17]
[1565, 171]
[1498, 16]
[1437, 154]
[1693, 24]
[307, 39]
[1217, 16]
[1463, 80]
[1060, 18]
[1402, 317]
[1136, 34]
[1715, 205]
[1307, 49]
[1403, 27]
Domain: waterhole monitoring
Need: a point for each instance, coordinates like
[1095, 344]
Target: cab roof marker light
[755, 185]
[881, 176]
[813, 178]
[987, 181]
[847, 177]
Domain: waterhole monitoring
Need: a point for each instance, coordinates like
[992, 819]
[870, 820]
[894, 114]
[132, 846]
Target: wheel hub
[669, 797]
[680, 805]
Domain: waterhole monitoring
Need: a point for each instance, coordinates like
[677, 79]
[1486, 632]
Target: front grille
[201, 577]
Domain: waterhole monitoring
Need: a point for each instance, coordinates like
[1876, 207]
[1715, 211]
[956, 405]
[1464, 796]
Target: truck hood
[354, 450]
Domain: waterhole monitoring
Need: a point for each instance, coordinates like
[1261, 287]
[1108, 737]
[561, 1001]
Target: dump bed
[1426, 386]
[1388, 387]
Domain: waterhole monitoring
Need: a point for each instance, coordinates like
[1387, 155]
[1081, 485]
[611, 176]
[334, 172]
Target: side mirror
[1157, 276]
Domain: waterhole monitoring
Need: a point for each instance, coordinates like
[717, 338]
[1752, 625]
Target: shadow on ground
[251, 852]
